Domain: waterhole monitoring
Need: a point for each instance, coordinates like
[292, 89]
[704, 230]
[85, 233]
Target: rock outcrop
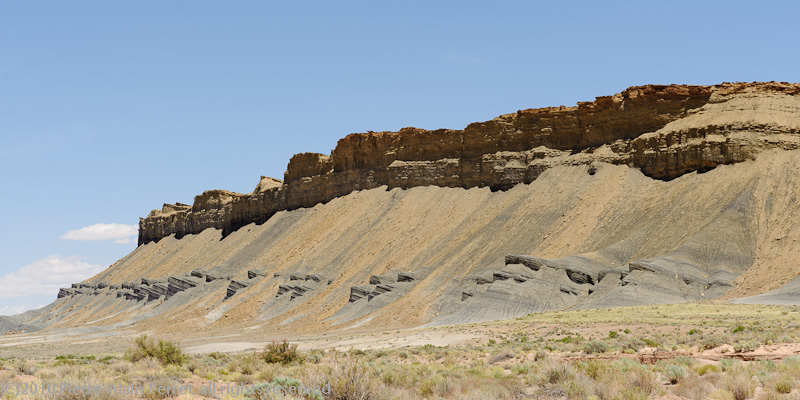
[666, 131]
[615, 212]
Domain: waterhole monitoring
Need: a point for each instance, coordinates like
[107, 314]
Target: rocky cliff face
[666, 131]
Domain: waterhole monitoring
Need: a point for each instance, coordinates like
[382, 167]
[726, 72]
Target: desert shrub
[683, 360]
[595, 346]
[651, 343]
[613, 335]
[501, 356]
[693, 387]
[768, 365]
[578, 389]
[674, 373]
[737, 329]
[632, 344]
[165, 352]
[704, 369]
[349, 380]
[594, 368]
[281, 352]
[744, 347]
[247, 363]
[729, 364]
[740, 385]
[558, 373]
[711, 342]
[640, 381]
[315, 356]
[437, 386]
[22, 366]
[540, 355]
[783, 385]
[267, 373]
[260, 391]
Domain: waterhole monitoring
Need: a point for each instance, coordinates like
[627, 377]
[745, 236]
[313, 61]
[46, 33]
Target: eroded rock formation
[666, 131]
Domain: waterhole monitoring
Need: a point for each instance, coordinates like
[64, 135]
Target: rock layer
[666, 131]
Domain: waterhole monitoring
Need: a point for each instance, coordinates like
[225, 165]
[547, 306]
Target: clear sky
[109, 108]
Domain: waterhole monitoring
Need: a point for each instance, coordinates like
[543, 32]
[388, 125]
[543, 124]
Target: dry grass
[526, 359]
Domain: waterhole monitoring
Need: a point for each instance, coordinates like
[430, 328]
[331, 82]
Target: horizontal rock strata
[641, 127]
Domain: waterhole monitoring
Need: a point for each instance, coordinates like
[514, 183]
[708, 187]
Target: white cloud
[121, 233]
[46, 275]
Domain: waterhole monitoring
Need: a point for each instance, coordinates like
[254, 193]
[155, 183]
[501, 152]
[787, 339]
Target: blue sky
[109, 109]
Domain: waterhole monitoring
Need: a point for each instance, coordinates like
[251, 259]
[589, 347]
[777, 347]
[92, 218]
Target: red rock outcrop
[665, 130]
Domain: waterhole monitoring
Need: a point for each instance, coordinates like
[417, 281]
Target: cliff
[666, 131]
[659, 194]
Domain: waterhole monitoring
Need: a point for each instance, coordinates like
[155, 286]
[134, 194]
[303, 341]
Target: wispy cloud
[120, 233]
[46, 275]
[463, 59]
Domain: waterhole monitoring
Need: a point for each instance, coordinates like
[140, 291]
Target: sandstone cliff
[628, 201]
[666, 131]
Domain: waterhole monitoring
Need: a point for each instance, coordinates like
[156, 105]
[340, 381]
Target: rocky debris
[234, 286]
[299, 284]
[146, 289]
[210, 277]
[576, 269]
[641, 127]
[380, 284]
[252, 274]
[406, 277]
[360, 292]
[150, 282]
[294, 291]
[379, 292]
[297, 276]
[150, 292]
[176, 284]
[90, 286]
[381, 279]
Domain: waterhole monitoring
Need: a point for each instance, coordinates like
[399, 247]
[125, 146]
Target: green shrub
[674, 373]
[744, 347]
[711, 342]
[738, 329]
[612, 335]
[651, 342]
[783, 386]
[708, 368]
[595, 346]
[281, 352]
[164, 351]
